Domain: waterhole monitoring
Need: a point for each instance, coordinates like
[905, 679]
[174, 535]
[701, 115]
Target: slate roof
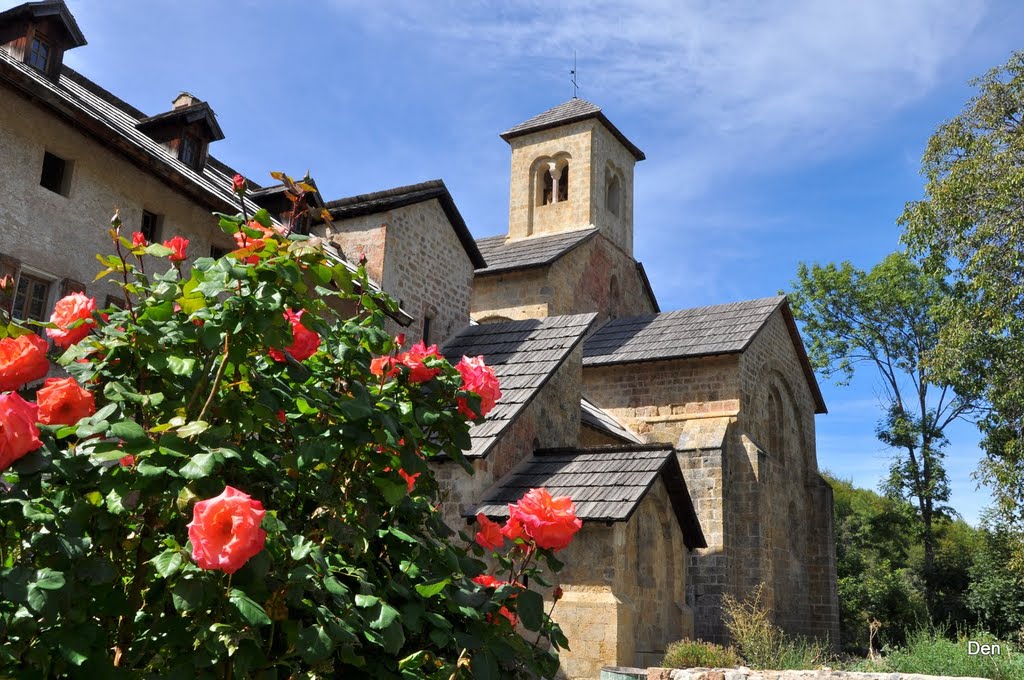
[605, 483]
[593, 416]
[524, 355]
[503, 255]
[695, 332]
[574, 110]
[389, 199]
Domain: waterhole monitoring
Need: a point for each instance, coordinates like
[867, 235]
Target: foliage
[699, 654]
[930, 651]
[359, 576]
[996, 592]
[764, 645]
[967, 228]
[888, 318]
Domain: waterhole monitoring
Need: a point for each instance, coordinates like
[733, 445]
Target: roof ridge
[606, 448]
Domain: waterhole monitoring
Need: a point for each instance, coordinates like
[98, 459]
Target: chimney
[185, 99]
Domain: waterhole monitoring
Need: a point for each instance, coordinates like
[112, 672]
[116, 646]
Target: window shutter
[69, 286]
[9, 266]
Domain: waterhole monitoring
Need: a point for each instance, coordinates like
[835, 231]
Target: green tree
[888, 319]
[969, 229]
[996, 592]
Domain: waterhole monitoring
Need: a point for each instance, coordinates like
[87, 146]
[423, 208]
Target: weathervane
[575, 85]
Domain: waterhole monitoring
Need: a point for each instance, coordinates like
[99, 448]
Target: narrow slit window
[55, 174]
[150, 226]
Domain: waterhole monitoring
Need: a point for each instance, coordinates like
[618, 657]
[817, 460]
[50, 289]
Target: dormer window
[186, 130]
[188, 151]
[39, 55]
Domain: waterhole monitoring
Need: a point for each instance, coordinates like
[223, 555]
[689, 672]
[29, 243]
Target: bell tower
[571, 169]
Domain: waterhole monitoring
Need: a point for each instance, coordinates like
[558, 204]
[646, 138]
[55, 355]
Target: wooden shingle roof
[524, 356]
[606, 484]
[574, 110]
[536, 251]
[593, 416]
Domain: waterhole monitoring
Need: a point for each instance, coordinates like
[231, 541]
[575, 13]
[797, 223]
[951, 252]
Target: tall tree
[887, 319]
[969, 229]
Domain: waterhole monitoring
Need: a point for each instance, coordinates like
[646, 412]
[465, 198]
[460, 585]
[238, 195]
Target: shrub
[699, 654]
[764, 645]
[249, 494]
[930, 651]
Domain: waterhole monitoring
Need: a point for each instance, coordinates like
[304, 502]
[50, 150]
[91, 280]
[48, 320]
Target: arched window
[776, 415]
[547, 193]
[551, 179]
[613, 195]
[563, 183]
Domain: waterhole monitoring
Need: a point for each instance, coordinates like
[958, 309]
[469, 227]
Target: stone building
[686, 437]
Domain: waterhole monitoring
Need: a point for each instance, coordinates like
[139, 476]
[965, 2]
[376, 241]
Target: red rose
[18, 432]
[385, 367]
[178, 245]
[488, 581]
[489, 537]
[282, 417]
[514, 529]
[414, 359]
[557, 594]
[225, 531]
[238, 184]
[479, 379]
[67, 311]
[550, 522]
[22, 360]
[304, 341]
[127, 461]
[410, 480]
[63, 402]
[400, 339]
[138, 239]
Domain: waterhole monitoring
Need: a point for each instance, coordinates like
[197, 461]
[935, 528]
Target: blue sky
[775, 132]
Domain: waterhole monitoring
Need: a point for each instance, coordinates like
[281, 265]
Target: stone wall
[55, 237]
[514, 295]
[415, 255]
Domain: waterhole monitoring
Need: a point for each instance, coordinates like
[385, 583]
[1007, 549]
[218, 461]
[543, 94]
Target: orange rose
[550, 522]
[63, 402]
[489, 537]
[18, 432]
[22, 360]
[479, 379]
[384, 367]
[414, 359]
[304, 341]
[178, 245]
[66, 312]
[225, 531]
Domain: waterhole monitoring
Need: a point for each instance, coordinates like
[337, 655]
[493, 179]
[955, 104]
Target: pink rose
[489, 537]
[67, 311]
[62, 401]
[225, 531]
[479, 379]
[304, 341]
[22, 360]
[18, 432]
[414, 359]
[238, 184]
[178, 245]
[550, 522]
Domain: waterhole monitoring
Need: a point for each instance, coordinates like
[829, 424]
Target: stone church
[686, 438]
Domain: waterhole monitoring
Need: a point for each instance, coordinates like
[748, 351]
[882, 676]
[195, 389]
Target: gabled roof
[605, 483]
[574, 110]
[598, 419]
[49, 8]
[389, 199]
[503, 255]
[162, 123]
[695, 332]
[524, 356]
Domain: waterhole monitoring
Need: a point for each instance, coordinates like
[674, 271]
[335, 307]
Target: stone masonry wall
[610, 157]
[512, 295]
[57, 237]
[415, 255]
[598, 276]
[795, 507]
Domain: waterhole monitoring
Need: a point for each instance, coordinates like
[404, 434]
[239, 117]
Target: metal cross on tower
[572, 73]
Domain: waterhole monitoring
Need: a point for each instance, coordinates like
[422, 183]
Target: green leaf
[394, 637]
[157, 250]
[248, 608]
[401, 535]
[49, 579]
[432, 589]
[393, 491]
[167, 563]
[194, 428]
[366, 600]
[199, 467]
[384, 618]
[314, 644]
[530, 606]
[485, 666]
[300, 547]
[263, 218]
[128, 430]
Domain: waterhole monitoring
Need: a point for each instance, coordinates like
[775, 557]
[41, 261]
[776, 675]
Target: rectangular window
[426, 330]
[217, 252]
[31, 298]
[39, 55]
[188, 151]
[56, 174]
[150, 227]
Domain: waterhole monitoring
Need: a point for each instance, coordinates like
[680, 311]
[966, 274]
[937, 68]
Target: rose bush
[197, 508]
